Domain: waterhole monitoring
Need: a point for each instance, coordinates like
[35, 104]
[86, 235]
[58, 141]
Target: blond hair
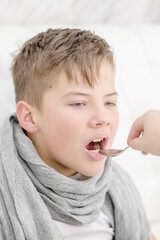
[44, 56]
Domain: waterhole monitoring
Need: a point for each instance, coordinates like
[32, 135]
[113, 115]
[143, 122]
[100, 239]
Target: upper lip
[97, 136]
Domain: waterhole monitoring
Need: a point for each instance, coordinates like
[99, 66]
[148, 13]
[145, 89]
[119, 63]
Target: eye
[110, 104]
[78, 104]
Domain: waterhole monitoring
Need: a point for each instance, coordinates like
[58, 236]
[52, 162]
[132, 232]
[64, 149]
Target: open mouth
[96, 145]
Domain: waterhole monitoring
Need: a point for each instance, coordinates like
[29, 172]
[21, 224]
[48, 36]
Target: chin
[93, 171]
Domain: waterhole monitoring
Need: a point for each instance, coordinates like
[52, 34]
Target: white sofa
[137, 55]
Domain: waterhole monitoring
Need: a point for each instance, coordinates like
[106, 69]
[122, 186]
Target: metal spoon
[112, 152]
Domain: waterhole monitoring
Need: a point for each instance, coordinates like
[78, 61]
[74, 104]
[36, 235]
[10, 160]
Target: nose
[99, 119]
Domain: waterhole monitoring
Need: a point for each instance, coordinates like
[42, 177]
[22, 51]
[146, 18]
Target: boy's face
[72, 117]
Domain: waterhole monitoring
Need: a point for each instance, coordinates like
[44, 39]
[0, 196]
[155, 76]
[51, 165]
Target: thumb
[137, 143]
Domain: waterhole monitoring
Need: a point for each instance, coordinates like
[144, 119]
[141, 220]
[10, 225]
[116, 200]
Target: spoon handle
[125, 148]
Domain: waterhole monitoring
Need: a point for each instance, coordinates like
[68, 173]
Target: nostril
[98, 122]
[101, 123]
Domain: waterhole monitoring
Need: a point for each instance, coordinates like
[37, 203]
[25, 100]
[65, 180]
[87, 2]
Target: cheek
[66, 130]
[114, 125]
[116, 121]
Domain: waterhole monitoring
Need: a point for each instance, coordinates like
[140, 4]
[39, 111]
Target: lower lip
[95, 156]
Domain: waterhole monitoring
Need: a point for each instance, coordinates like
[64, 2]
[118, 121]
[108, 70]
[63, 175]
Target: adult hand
[145, 133]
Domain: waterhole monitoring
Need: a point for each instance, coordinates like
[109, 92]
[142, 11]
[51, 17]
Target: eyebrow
[75, 93]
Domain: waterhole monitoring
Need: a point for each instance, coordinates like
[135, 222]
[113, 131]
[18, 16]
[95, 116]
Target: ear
[25, 115]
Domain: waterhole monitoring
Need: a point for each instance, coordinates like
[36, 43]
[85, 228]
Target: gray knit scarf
[33, 194]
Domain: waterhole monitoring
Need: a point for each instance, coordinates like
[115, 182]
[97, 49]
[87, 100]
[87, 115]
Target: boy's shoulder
[120, 176]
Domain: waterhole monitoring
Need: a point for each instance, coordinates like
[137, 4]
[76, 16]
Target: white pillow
[6, 108]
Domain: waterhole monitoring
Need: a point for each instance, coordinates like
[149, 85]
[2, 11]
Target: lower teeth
[96, 150]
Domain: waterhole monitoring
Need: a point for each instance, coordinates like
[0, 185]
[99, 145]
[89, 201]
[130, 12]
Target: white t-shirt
[100, 229]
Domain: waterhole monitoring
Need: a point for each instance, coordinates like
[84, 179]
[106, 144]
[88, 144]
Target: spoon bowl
[112, 152]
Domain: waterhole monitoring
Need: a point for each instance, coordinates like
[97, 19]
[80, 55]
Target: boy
[54, 182]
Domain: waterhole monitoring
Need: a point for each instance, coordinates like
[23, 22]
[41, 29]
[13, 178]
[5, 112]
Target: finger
[136, 130]
[145, 153]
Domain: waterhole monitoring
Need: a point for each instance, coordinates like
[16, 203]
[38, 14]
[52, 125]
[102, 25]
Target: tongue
[93, 146]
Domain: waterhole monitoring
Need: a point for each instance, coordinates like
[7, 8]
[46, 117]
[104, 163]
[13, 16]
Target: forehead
[105, 73]
[64, 88]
